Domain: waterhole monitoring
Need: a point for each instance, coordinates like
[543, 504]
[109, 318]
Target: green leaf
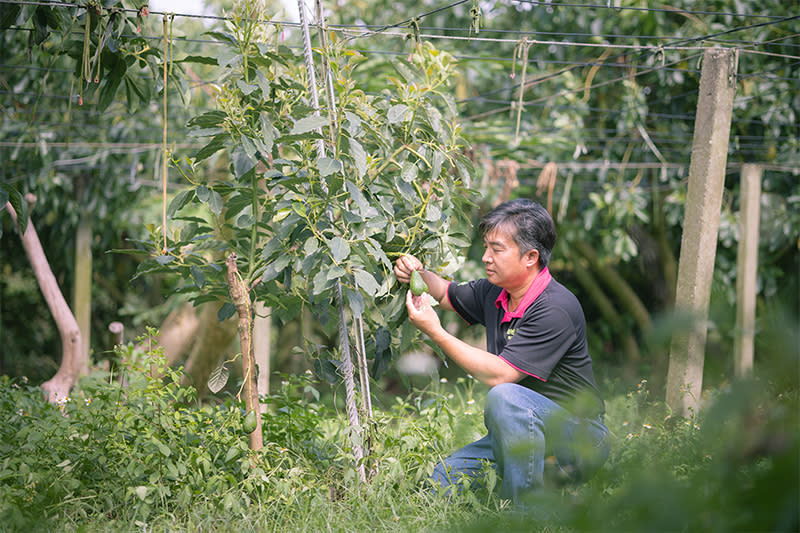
[433, 213]
[198, 276]
[267, 134]
[242, 162]
[180, 201]
[227, 57]
[436, 167]
[355, 301]
[209, 119]
[353, 123]
[366, 282]
[248, 146]
[311, 245]
[276, 267]
[218, 378]
[397, 113]
[215, 145]
[226, 311]
[246, 88]
[383, 352]
[409, 172]
[357, 196]
[307, 124]
[20, 206]
[203, 60]
[111, 84]
[8, 15]
[328, 166]
[215, 203]
[246, 220]
[334, 273]
[263, 83]
[325, 369]
[203, 193]
[359, 157]
[339, 248]
[163, 448]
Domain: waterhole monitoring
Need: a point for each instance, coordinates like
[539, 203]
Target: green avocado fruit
[417, 284]
[250, 422]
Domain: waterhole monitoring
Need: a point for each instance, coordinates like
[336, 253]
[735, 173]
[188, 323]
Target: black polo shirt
[547, 342]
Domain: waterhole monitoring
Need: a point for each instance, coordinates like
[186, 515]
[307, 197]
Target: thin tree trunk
[58, 387]
[178, 332]
[669, 265]
[609, 314]
[241, 300]
[619, 287]
[82, 289]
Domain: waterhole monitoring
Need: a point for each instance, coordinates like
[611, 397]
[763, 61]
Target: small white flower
[470, 401]
[443, 380]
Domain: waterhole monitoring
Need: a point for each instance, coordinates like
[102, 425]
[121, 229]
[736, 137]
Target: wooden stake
[746, 269]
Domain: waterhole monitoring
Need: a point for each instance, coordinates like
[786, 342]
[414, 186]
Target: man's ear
[532, 257]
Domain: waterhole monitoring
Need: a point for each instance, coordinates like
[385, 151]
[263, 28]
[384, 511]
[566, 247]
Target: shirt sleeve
[468, 299]
[539, 341]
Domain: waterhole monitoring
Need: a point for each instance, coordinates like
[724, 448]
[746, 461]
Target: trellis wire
[646, 49]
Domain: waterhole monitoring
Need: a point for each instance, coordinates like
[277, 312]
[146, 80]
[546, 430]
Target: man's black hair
[529, 224]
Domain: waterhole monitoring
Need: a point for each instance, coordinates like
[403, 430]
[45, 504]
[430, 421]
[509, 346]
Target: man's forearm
[482, 365]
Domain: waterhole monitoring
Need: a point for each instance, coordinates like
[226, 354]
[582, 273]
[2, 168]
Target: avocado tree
[292, 229]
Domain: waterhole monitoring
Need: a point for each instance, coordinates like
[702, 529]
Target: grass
[149, 457]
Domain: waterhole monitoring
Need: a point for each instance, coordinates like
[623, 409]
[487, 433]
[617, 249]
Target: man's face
[504, 266]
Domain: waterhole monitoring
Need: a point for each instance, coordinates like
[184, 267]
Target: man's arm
[482, 365]
[437, 286]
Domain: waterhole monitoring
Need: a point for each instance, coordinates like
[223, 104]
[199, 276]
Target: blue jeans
[526, 430]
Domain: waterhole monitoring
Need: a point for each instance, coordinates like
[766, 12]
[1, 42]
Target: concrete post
[701, 224]
[746, 269]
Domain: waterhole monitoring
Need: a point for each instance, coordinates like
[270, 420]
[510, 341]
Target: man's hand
[421, 314]
[437, 287]
[404, 266]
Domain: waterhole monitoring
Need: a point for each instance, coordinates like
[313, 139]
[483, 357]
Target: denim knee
[499, 399]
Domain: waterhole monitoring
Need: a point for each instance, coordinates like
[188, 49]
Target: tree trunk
[669, 265]
[241, 300]
[82, 289]
[178, 332]
[58, 387]
[610, 315]
[619, 287]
